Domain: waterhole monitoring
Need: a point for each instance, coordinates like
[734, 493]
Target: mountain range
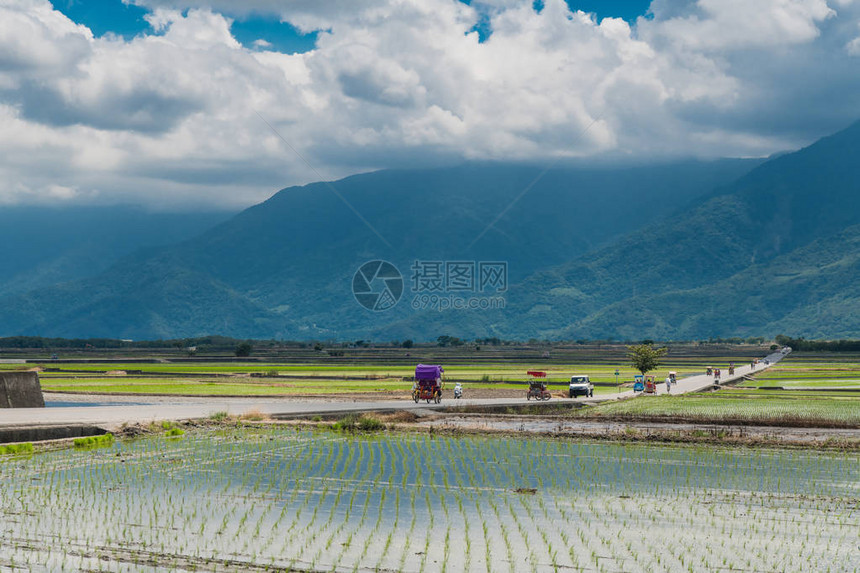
[677, 250]
[48, 245]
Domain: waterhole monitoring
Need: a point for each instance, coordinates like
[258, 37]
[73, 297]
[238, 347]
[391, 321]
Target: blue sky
[628, 10]
[104, 16]
[127, 20]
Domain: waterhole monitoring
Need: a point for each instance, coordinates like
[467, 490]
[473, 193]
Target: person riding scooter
[458, 391]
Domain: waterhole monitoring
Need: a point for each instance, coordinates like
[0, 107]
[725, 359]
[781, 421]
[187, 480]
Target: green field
[272, 379]
[276, 499]
[801, 372]
[802, 401]
[257, 386]
[493, 372]
[727, 406]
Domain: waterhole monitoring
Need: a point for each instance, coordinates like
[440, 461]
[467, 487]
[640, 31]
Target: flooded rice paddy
[270, 499]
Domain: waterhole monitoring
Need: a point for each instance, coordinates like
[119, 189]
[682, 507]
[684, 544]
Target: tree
[446, 340]
[407, 343]
[243, 349]
[645, 357]
[783, 340]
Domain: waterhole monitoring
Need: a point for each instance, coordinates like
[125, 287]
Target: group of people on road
[715, 372]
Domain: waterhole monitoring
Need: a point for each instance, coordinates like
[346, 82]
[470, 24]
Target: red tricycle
[537, 387]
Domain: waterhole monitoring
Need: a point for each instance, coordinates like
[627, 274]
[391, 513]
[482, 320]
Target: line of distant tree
[39, 342]
[207, 342]
[734, 340]
[819, 345]
[225, 343]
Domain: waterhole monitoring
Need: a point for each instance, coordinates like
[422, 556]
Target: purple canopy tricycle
[428, 383]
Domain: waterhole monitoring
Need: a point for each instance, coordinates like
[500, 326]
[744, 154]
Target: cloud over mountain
[173, 115]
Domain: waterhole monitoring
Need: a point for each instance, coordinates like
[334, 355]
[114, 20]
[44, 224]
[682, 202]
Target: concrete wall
[40, 433]
[20, 390]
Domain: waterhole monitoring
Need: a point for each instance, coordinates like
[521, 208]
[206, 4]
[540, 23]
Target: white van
[580, 385]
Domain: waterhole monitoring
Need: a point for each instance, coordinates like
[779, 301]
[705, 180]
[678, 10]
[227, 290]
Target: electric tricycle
[428, 383]
[650, 385]
[537, 386]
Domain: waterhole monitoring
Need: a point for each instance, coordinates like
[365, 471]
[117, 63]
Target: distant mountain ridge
[812, 290]
[759, 257]
[48, 245]
[283, 268]
[677, 251]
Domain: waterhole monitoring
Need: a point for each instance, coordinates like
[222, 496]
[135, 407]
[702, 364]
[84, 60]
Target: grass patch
[399, 417]
[525, 409]
[94, 441]
[174, 432]
[358, 423]
[14, 449]
[254, 415]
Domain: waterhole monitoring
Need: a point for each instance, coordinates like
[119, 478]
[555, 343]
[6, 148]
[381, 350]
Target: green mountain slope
[698, 272]
[44, 246]
[284, 268]
[812, 291]
[144, 300]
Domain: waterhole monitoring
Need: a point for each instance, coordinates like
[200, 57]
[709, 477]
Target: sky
[190, 104]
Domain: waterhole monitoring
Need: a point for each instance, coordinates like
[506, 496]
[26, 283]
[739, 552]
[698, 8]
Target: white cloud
[741, 24]
[197, 30]
[39, 40]
[853, 47]
[172, 116]
[307, 15]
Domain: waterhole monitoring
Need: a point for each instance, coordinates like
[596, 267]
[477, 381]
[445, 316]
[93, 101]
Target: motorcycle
[458, 391]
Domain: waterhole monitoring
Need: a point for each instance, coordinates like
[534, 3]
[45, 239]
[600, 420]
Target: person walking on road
[668, 384]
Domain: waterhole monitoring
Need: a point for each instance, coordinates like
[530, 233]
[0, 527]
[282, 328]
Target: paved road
[703, 381]
[113, 416]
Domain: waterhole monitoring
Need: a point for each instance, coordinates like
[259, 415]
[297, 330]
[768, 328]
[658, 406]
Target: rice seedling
[277, 498]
